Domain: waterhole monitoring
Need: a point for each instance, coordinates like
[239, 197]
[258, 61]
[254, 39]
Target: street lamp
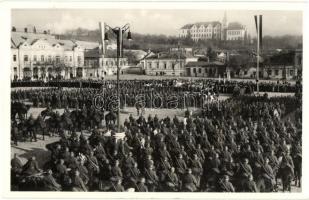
[118, 32]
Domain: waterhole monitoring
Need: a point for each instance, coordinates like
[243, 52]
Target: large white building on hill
[214, 30]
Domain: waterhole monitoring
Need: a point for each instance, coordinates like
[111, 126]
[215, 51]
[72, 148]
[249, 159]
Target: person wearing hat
[78, 183]
[189, 182]
[226, 185]
[172, 180]
[181, 165]
[151, 178]
[140, 186]
[250, 185]
[118, 186]
[269, 176]
[50, 183]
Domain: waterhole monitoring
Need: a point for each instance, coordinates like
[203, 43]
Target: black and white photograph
[156, 100]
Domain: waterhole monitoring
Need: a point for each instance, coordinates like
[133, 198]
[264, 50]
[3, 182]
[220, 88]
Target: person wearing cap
[269, 176]
[50, 183]
[78, 183]
[172, 180]
[250, 185]
[226, 185]
[141, 187]
[189, 182]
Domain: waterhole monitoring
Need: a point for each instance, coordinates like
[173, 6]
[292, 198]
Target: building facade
[169, 64]
[201, 31]
[206, 69]
[41, 56]
[214, 30]
[99, 66]
[236, 31]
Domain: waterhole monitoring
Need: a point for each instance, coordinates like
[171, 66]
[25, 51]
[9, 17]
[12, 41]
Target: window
[70, 58]
[66, 58]
[194, 70]
[245, 72]
[14, 58]
[34, 58]
[276, 72]
[26, 58]
[42, 58]
[200, 70]
[165, 65]
[291, 72]
[79, 59]
[49, 58]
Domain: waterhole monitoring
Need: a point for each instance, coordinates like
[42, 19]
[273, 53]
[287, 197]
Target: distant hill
[162, 42]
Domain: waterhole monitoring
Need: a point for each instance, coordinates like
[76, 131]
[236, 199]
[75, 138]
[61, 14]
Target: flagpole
[258, 56]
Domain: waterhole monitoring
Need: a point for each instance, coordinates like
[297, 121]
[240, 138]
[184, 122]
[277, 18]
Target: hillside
[162, 42]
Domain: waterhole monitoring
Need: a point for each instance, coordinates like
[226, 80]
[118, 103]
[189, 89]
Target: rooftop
[199, 24]
[204, 64]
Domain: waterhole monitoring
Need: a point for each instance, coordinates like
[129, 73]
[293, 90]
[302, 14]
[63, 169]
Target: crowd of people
[243, 144]
[221, 86]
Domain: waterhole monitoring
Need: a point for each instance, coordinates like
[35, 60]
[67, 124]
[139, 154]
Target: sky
[146, 21]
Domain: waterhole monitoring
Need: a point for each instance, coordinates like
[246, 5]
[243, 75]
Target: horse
[19, 108]
[46, 112]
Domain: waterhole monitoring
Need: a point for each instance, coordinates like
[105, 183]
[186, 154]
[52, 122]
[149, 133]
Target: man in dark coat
[226, 185]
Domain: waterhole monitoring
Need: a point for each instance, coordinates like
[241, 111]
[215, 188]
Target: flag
[259, 28]
[261, 33]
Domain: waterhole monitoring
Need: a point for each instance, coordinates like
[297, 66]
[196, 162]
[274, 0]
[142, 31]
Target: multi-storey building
[236, 31]
[98, 65]
[39, 56]
[201, 31]
[170, 64]
[214, 30]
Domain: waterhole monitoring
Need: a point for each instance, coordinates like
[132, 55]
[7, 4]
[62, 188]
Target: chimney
[26, 30]
[45, 32]
[13, 29]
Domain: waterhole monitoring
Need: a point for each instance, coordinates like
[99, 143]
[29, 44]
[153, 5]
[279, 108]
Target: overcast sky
[154, 21]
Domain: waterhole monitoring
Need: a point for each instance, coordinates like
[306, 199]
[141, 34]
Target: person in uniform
[151, 178]
[250, 185]
[141, 187]
[172, 181]
[78, 183]
[269, 176]
[181, 165]
[50, 183]
[226, 185]
[189, 182]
